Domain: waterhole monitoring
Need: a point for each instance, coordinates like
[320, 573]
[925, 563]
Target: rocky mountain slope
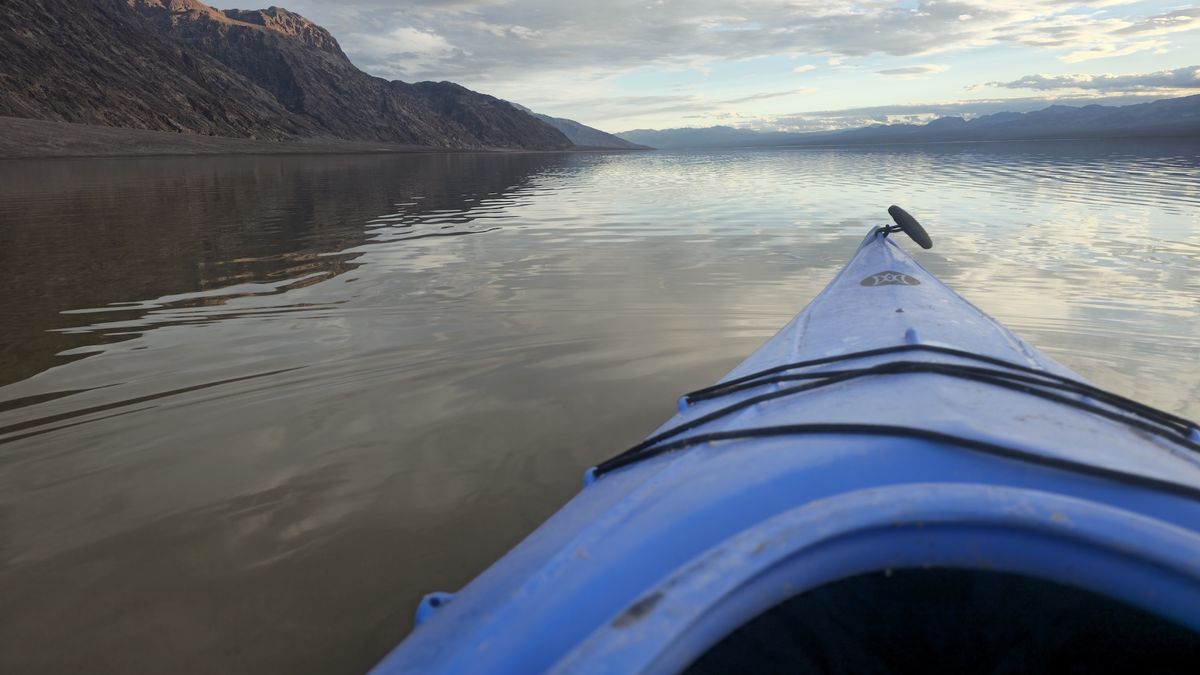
[584, 136]
[181, 65]
[588, 137]
[99, 63]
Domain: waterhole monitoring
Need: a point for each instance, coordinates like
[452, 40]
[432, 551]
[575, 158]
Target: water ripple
[225, 379]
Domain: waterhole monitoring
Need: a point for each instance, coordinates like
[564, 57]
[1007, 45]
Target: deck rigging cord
[1013, 376]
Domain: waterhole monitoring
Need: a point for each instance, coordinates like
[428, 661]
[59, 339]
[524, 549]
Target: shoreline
[22, 138]
[957, 141]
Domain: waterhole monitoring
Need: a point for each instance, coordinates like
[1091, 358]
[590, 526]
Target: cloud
[403, 49]
[1112, 49]
[913, 71]
[684, 105]
[552, 55]
[1171, 22]
[491, 40]
[401, 41]
[766, 95]
[1178, 79]
[1095, 35]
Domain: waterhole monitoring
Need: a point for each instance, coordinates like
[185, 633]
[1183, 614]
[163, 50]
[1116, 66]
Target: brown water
[252, 408]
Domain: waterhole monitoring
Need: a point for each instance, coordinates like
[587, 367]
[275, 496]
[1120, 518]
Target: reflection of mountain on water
[127, 237]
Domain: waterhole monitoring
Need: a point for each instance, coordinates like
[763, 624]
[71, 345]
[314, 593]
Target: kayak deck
[659, 558]
[917, 310]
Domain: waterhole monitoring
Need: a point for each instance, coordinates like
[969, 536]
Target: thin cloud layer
[914, 71]
[1168, 80]
[623, 63]
[491, 39]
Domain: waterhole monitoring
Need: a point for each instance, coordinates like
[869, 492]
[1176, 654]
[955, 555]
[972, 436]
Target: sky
[795, 65]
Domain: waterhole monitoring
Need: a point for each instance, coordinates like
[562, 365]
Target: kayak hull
[655, 561]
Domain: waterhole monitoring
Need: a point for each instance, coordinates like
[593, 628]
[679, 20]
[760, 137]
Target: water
[252, 408]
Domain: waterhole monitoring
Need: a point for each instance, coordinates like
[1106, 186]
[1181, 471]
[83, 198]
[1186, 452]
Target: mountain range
[1165, 117]
[162, 71]
[271, 75]
[583, 135]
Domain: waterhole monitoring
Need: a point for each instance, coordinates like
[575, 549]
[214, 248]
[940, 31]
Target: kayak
[894, 482]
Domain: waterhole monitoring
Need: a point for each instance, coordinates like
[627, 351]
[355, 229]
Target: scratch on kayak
[637, 611]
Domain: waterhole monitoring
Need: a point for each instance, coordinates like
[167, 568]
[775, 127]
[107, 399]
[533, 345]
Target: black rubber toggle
[910, 226]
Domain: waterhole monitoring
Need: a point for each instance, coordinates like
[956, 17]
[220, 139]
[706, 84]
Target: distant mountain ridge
[1164, 117]
[183, 66]
[583, 135]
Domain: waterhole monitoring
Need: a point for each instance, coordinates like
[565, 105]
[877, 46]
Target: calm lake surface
[252, 408]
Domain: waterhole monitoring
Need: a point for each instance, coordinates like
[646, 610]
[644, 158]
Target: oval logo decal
[890, 278]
